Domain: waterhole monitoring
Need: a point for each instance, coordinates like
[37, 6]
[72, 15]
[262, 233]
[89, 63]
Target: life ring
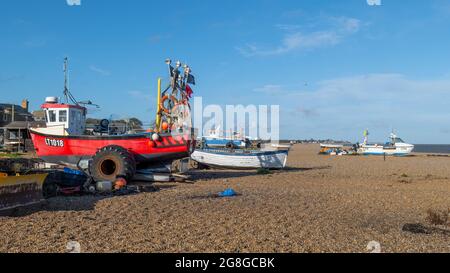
[181, 103]
[163, 99]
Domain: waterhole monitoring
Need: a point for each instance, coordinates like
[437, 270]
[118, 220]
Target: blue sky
[334, 67]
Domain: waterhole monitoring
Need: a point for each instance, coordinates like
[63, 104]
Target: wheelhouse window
[62, 115]
[52, 116]
[399, 140]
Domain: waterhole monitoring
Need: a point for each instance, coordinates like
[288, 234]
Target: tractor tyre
[111, 162]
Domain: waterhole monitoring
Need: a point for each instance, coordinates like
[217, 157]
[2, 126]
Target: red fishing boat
[106, 156]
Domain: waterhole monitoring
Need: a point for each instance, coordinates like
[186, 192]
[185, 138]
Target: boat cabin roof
[61, 106]
[397, 140]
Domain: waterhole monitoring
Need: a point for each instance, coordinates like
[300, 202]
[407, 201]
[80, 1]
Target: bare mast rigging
[69, 98]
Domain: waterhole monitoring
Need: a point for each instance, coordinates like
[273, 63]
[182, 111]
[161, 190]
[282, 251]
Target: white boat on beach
[275, 146]
[281, 146]
[241, 159]
[331, 149]
[396, 146]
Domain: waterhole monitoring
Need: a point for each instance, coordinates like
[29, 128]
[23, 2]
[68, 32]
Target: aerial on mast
[68, 96]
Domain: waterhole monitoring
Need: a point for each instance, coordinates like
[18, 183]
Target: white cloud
[298, 40]
[140, 95]
[343, 107]
[270, 89]
[276, 89]
[348, 25]
[384, 88]
[288, 27]
[99, 70]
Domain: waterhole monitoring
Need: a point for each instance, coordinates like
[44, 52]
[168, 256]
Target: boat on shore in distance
[336, 149]
[331, 149]
[241, 158]
[396, 147]
[276, 146]
[215, 140]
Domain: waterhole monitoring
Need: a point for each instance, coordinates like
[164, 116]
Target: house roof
[22, 124]
[17, 108]
[8, 105]
[21, 115]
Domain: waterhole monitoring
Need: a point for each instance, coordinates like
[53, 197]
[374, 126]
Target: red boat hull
[70, 150]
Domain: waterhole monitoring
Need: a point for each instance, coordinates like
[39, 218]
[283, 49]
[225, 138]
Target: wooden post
[19, 140]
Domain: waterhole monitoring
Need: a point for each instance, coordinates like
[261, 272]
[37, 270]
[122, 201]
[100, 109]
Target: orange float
[165, 126]
[120, 183]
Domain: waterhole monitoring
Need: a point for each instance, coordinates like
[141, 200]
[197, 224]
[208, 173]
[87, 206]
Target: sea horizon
[432, 148]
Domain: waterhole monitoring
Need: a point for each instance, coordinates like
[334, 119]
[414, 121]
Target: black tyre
[111, 162]
[230, 145]
[104, 123]
[50, 187]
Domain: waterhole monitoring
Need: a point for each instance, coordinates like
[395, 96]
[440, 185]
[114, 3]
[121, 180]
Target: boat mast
[68, 96]
[366, 136]
[393, 136]
[66, 88]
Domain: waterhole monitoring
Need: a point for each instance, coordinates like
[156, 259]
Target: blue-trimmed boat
[234, 141]
[223, 142]
[396, 147]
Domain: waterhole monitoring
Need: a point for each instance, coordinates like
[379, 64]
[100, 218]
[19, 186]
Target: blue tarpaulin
[228, 193]
[75, 172]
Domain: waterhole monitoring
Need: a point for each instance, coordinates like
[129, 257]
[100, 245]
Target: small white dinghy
[241, 159]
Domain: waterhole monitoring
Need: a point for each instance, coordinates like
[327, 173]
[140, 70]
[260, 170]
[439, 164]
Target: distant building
[14, 123]
[39, 115]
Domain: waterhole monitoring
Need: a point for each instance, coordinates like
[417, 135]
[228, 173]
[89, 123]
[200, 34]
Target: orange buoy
[165, 126]
[120, 183]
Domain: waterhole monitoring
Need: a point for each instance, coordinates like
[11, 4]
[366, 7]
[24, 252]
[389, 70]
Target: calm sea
[432, 148]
